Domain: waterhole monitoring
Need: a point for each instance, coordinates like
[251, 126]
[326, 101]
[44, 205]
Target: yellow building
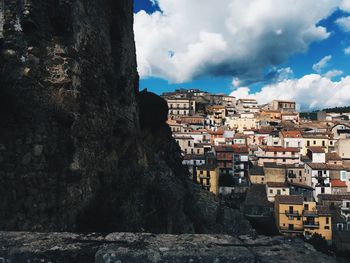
[257, 175]
[314, 140]
[317, 219]
[296, 216]
[289, 214]
[208, 177]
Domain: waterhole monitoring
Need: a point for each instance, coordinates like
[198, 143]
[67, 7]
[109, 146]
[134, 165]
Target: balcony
[291, 230]
[310, 213]
[310, 224]
[292, 213]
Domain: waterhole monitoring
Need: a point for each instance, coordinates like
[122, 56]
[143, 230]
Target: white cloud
[344, 23]
[321, 64]
[345, 5]
[311, 92]
[333, 73]
[231, 37]
[347, 51]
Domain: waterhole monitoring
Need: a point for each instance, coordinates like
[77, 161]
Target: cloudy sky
[266, 49]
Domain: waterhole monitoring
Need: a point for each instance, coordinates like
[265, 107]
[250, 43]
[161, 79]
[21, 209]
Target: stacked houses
[302, 167]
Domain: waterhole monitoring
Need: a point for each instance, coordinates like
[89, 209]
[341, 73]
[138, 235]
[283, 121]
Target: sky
[262, 49]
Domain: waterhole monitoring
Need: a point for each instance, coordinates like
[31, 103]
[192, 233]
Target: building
[247, 105]
[181, 107]
[273, 189]
[294, 216]
[317, 220]
[301, 189]
[342, 148]
[315, 140]
[283, 106]
[257, 175]
[278, 155]
[288, 214]
[224, 157]
[240, 161]
[317, 175]
[208, 177]
[291, 139]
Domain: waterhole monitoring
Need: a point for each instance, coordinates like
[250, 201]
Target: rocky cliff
[80, 148]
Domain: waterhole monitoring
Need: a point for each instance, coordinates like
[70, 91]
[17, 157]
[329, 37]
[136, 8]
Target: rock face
[80, 148]
[150, 248]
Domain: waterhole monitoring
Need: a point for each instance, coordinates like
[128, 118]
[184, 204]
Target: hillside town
[292, 170]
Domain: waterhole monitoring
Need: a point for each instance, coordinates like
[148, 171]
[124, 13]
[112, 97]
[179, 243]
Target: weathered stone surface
[143, 247]
[77, 154]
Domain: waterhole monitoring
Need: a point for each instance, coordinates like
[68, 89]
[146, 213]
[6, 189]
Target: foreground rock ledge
[140, 247]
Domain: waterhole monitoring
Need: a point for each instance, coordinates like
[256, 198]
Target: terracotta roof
[279, 149]
[277, 184]
[291, 134]
[240, 148]
[338, 183]
[316, 149]
[289, 199]
[218, 132]
[333, 157]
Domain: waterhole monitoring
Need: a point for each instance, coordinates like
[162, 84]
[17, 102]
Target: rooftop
[338, 183]
[277, 184]
[289, 199]
[291, 134]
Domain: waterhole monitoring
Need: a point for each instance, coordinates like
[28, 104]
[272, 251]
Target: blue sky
[285, 63]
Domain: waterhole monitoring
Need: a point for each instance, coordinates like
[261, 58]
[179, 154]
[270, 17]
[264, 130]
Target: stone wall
[150, 248]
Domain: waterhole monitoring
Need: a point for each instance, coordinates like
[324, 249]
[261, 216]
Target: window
[322, 190]
[284, 160]
[323, 143]
[326, 227]
[283, 190]
[327, 220]
[189, 143]
[306, 207]
[307, 143]
[314, 142]
[300, 173]
[331, 142]
[278, 192]
[271, 191]
[343, 175]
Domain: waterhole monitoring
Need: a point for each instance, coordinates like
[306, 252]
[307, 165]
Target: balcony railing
[292, 230]
[311, 224]
[292, 213]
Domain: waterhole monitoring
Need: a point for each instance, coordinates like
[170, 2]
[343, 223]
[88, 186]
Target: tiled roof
[289, 199]
[316, 149]
[240, 148]
[277, 184]
[333, 157]
[332, 197]
[318, 166]
[279, 149]
[291, 134]
[338, 183]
